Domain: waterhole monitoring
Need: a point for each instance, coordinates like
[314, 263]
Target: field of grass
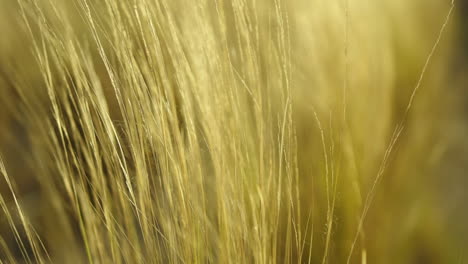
[232, 131]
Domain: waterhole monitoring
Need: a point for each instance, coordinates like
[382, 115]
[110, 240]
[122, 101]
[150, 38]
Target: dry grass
[176, 131]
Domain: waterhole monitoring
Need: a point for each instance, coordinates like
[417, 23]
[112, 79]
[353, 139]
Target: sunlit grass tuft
[225, 132]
